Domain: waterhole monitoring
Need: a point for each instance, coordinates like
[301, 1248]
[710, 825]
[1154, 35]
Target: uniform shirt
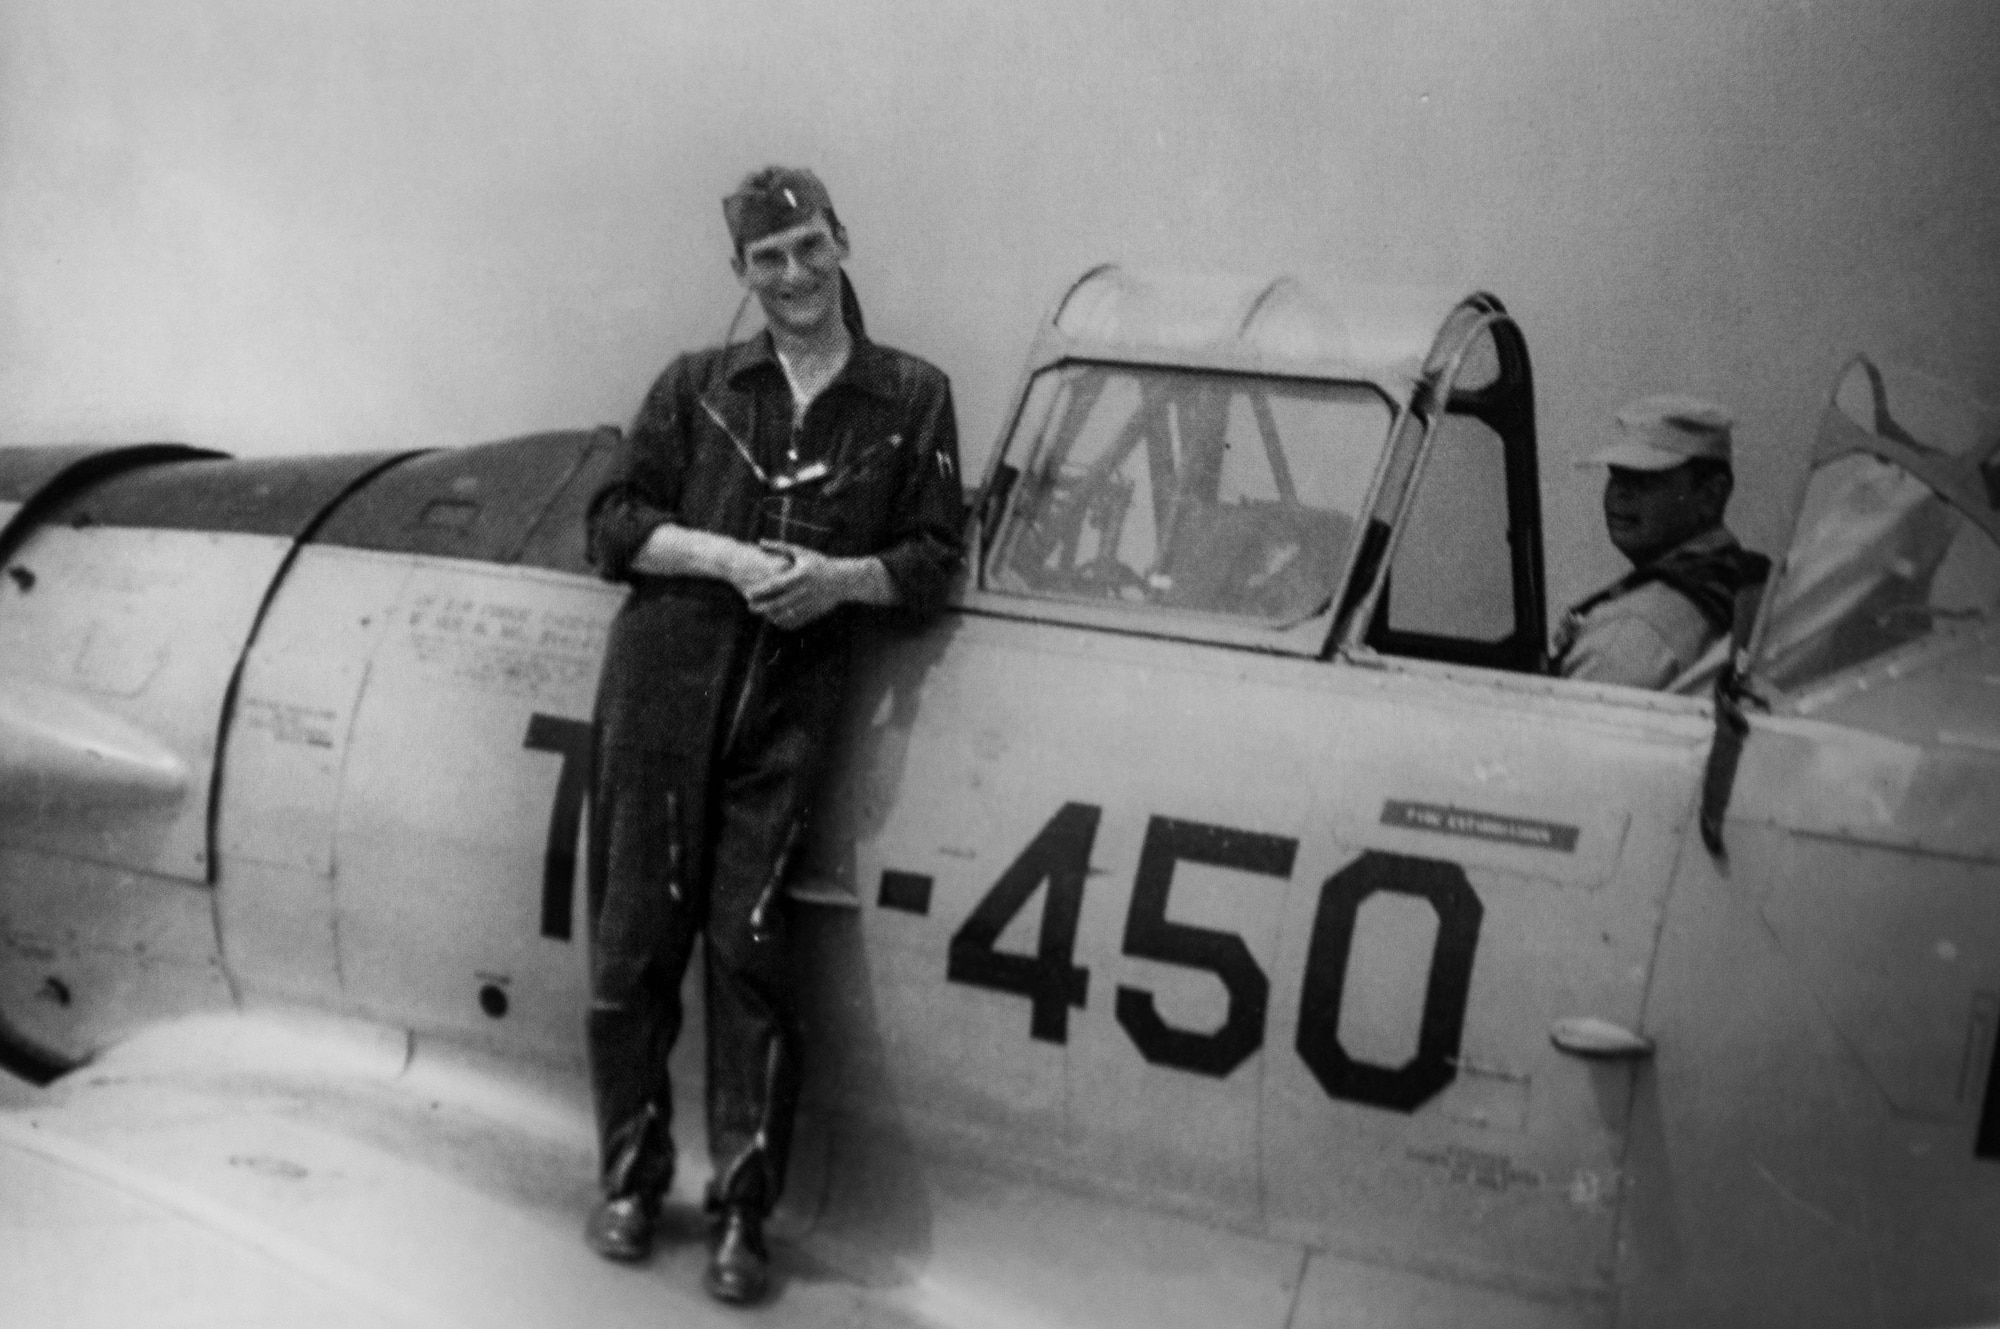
[718, 427]
[1642, 634]
[711, 449]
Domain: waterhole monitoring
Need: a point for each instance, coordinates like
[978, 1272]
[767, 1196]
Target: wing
[280, 1169]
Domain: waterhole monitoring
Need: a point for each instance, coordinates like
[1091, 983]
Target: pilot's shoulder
[1616, 645]
[1643, 637]
[1668, 611]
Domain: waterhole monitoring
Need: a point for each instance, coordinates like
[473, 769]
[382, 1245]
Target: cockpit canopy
[1216, 459]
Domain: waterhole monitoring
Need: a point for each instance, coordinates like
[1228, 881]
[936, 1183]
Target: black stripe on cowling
[262, 496]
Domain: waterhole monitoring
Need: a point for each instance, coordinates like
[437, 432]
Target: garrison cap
[774, 199]
[1659, 433]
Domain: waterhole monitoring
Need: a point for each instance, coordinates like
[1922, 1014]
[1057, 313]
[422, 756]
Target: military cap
[1658, 433]
[774, 199]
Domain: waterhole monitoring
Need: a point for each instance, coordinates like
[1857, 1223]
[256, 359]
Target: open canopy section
[1897, 541]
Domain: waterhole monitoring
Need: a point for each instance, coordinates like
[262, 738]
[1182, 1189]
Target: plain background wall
[278, 226]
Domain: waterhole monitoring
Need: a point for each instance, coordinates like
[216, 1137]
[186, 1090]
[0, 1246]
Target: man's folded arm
[645, 485]
[671, 550]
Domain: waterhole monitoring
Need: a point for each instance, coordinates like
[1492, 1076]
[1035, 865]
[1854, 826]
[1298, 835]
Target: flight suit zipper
[760, 912]
[674, 894]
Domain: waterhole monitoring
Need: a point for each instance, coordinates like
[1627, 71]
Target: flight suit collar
[869, 367]
[750, 370]
[1714, 538]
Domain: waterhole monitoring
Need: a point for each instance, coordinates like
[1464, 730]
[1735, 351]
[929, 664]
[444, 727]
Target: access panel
[407, 755]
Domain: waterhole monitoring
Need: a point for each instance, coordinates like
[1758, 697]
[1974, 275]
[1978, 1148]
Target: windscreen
[1880, 557]
[1186, 491]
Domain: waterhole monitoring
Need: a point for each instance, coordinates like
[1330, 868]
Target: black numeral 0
[1060, 855]
[1150, 936]
[1401, 1088]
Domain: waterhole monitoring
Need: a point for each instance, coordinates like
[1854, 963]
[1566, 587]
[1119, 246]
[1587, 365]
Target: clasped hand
[806, 587]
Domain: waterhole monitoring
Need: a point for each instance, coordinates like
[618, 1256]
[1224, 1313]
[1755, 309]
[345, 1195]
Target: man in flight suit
[766, 487]
[1669, 482]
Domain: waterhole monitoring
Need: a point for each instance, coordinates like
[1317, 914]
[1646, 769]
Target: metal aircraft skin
[1218, 917]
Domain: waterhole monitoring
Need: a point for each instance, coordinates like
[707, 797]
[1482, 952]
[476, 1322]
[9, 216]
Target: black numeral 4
[1059, 855]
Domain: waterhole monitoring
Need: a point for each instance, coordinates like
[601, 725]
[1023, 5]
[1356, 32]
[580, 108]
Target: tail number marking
[1150, 935]
[1059, 855]
[1447, 989]
[571, 740]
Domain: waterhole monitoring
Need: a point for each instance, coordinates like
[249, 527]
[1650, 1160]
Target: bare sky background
[278, 226]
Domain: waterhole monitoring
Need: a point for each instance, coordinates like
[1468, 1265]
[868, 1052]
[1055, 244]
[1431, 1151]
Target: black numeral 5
[1150, 936]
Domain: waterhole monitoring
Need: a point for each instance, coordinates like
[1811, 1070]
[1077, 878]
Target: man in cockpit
[767, 489]
[1670, 479]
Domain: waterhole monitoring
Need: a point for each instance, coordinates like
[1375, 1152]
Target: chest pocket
[804, 517]
[848, 511]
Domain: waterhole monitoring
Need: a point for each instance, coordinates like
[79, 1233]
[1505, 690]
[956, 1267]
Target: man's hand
[813, 586]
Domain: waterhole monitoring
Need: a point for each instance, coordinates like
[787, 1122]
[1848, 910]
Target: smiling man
[768, 492]
[1670, 480]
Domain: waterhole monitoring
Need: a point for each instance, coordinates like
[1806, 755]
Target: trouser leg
[753, 1047]
[644, 922]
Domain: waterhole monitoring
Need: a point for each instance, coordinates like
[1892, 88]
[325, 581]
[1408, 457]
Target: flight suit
[711, 724]
[1647, 627]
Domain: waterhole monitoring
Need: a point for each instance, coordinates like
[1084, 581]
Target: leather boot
[621, 1228]
[739, 1268]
